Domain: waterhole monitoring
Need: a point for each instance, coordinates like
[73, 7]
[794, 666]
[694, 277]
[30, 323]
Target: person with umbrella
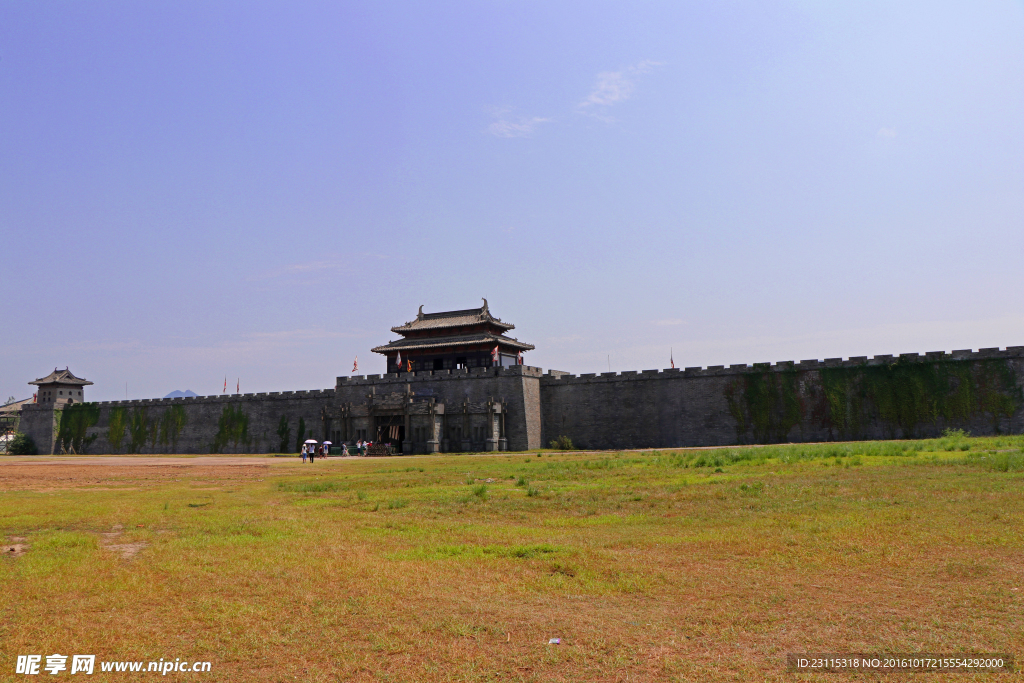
[327, 448]
[311, 445]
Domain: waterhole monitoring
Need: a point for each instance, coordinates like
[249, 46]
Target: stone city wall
[858, 398]
[233, 423]
[909, 396]
[279, 422]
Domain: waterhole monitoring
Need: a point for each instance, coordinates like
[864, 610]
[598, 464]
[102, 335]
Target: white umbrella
[310, 441]
[328, 443]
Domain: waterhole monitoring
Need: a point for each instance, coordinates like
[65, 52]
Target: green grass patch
[310, 486]
[649, 565]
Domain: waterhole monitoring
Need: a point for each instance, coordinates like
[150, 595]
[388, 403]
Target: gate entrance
[390, 429]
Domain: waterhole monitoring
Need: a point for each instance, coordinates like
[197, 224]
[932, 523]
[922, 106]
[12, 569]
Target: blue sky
[190, 191]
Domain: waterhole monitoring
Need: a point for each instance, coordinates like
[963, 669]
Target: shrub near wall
[22, 444]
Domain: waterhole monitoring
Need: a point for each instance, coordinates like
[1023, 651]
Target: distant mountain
[178, 393]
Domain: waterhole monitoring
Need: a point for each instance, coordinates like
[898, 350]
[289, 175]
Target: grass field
[654, 566]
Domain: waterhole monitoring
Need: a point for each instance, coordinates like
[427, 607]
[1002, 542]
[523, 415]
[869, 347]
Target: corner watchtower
[61, 387]
[449, 340]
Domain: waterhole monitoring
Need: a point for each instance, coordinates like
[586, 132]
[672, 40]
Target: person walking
[303, 452]
[312, 452]
[344, 450]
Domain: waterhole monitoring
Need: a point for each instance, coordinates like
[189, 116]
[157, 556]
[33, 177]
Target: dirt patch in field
[14, 549]
[109, 541]
[54, 477]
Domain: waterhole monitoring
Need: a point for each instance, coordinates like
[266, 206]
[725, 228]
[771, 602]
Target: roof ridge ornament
[484, 309]
[419, 316]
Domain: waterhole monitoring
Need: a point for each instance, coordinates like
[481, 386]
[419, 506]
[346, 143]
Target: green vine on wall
[903, 398]
[284, 432]
[138, 429]
[116, 427]
[171, 424]
[58, 417]
[906, 396]
[765, 403]
[74, 425]
[233, 426]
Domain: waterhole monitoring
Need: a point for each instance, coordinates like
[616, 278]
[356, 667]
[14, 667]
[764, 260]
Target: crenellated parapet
[554, 378]
[312, 394]
[441, 375]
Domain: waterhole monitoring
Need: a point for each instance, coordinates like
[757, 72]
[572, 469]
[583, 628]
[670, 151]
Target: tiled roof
[61, 377]
[461, 340]
[14, 407]
[435, 321]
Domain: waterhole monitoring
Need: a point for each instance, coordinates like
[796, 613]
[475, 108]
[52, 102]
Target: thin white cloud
[338, 264]
[613, 87]
[886, 133]
[504, 127]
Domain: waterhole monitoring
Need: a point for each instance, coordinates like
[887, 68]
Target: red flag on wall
[494, 354]
[398, 360]
[409, 363]
[238, 383]
[355, 365]
[225, 385]
[671, 359]
[519, 358]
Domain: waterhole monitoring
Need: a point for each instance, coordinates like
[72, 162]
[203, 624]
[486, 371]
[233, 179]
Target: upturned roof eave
[462, 318]
[413, 327]
[61, 377]
[442, 342]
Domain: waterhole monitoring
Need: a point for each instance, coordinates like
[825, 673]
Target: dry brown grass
[394, 569]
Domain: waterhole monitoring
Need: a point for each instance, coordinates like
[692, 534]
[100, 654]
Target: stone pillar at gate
[407, 441]
[433, 443]
[491, 440]
[466, 443]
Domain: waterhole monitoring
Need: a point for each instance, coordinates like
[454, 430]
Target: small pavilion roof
[448, 319]
[448, 342]
[61, 377]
